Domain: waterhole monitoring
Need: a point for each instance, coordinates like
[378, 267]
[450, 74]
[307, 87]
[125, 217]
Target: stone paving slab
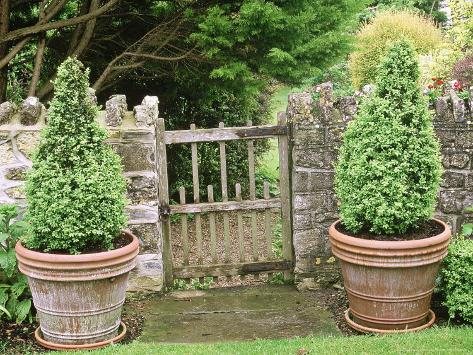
[235, 314]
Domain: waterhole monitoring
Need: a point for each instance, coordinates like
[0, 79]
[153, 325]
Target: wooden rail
[223, 134]
[246, 205]
[186, 272]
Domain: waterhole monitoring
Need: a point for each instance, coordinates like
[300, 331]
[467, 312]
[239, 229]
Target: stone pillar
[132, 138]
[316, 135]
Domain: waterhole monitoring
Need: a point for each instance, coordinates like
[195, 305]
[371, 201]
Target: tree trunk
[4, 17]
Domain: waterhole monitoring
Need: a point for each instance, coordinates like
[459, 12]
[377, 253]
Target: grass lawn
[438, 340]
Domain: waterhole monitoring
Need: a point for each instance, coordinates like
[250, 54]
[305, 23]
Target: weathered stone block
[443, 112]
[146, 113]
[136, 156]
[16, 173]
[148, 274]
[455, 201]
[455, 160]
[446, 137]
[142, 214]
[335, 134]
[302, 221]
[324, 218]
[300, 181]
[16, 192]
[453, 180]
[26, 142]
[148, 235]
[141, 188]
[30, 111]
[6, 153]
[316, 202]
[7, 110]
[299, 108]
[318, 158]
[465, 138]
[321, 181]
[309, 138]
[458, 106]
[347, 106]
[115, 110]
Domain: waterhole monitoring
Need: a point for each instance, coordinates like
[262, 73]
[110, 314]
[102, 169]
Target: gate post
[164, 224]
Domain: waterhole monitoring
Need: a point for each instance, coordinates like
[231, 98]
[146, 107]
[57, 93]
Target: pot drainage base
[363, 329]
[54, 346]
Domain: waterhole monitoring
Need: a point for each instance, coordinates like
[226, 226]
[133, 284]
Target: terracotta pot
[78, 298]
[389, 284]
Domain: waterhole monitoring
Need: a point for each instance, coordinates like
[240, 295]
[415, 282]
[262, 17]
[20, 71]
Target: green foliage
[457, 277]
[75, 190]
[339, 75]
[15, 297]
[194, 284]
[424, 7]
[388, 172]
[461, 30]
[374, 39]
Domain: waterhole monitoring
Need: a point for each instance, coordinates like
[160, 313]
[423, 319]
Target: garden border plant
[76, 256]
[387, 179]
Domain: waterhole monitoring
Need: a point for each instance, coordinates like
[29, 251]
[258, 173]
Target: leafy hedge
[389, 169]
[75, 190]
[457, 279]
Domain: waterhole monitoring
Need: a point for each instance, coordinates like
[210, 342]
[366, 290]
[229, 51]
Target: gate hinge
[164, 210]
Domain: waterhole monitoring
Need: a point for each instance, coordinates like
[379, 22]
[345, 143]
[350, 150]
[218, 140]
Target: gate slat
[285, 194]
[251, 173]
[213, 239]
[223, 178]
[241, 245]
[267, 221]
[195, 182]
[185, 239]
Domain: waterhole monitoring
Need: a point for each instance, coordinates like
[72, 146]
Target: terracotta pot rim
[391, 244]
[81, 258]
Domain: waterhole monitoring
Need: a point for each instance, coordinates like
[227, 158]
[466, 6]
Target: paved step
[235, 314]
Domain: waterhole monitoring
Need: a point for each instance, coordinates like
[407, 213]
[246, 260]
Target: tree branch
[22, 32]
[39, 54]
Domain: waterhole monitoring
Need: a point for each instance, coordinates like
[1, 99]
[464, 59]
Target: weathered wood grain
[223, 134]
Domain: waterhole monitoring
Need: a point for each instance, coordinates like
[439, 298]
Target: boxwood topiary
[388, 172]
[75, 190]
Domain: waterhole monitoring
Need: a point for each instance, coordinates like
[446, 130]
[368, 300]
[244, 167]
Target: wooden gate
[207, 262]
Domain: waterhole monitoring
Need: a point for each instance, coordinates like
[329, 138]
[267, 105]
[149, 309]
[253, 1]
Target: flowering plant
[439, 88]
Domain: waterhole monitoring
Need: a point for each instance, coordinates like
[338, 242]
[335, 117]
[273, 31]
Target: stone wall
[132, 135]
[316, 129]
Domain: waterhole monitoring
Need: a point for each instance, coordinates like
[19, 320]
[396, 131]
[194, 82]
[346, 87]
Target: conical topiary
[75, 190]
[389, 169]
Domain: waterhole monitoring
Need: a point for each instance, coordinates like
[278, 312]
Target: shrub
[75, 190]
[463, 71]
[15, 296]
[457, 279]
[374, 39]
[461, 30]
[388, 172]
